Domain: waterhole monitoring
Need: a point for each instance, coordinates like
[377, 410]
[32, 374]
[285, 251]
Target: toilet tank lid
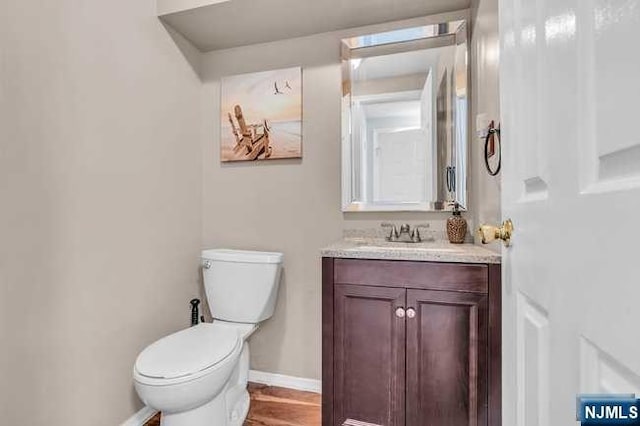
[245, 256]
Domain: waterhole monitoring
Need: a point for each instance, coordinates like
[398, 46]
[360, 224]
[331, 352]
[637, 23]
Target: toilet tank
[241, 285]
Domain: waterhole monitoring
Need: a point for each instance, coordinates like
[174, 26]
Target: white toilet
[198, 376]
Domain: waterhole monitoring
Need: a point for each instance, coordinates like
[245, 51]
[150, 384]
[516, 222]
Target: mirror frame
[348, 53]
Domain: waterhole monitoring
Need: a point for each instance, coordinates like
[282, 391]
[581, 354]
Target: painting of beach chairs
[261, 116]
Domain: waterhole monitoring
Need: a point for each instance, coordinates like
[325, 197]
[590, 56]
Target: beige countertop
[435, 251]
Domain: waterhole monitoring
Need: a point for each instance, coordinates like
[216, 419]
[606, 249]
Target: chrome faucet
[405, 234]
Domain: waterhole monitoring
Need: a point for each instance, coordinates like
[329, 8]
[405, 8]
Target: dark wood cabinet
[369, 342]
[446, 358]
[410, 343]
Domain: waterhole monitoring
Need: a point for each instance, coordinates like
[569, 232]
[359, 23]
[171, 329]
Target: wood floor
[272, 406]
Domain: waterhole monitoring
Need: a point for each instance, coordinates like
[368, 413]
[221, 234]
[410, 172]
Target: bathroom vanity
[411, 330]
[411, 334]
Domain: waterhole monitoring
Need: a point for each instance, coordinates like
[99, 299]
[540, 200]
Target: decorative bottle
[456, 226]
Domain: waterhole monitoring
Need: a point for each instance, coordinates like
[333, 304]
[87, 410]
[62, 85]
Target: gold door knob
[488, 233]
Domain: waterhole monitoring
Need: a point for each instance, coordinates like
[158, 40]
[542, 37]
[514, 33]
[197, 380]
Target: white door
[399, 166]
[570, 88]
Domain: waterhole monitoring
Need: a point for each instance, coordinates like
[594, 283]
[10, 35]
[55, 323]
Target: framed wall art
[261, 116]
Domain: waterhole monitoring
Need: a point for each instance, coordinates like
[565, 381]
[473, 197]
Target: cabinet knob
[400, 312]
[411, 313]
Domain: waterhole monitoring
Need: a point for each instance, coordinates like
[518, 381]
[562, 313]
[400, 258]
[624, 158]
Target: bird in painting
[287, 85]
[277, 91]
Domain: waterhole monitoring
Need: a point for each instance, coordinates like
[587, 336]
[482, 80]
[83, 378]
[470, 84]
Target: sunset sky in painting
[255, 93]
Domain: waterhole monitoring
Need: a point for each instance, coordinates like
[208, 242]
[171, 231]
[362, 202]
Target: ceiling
[398, 64]
[216, 24]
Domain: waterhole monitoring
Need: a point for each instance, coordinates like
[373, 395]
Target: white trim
[141, 417]
[290, 382]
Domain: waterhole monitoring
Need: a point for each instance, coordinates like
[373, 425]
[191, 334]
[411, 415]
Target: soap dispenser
[456, 226]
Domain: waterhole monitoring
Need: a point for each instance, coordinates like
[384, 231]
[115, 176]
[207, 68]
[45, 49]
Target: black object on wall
[194, 311]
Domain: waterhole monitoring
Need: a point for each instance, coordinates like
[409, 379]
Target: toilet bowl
[198, 376]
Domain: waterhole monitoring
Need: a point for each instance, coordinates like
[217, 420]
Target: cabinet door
[446, 358]
[369, 356]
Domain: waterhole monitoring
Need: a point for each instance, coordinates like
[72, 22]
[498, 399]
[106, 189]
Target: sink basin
[424, 246]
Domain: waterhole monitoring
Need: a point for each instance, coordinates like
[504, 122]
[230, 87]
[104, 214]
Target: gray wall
[291, 206]
[288, 205]
[485, 189]
[100, 223]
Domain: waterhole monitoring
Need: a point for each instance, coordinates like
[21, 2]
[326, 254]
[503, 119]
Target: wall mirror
[405, 119]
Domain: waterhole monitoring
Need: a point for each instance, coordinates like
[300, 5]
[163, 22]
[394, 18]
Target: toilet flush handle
[206, 264]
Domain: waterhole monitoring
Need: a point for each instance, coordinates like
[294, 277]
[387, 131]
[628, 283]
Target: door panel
[532, 351]
[610, 146]
[601, 373]
[369, 355]
[571, 171]
[447, 359]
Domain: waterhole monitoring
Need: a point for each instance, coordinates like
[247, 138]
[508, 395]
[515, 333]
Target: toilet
[198, 376]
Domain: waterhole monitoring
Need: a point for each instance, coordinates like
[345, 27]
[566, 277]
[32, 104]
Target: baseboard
[271, 379]
[290, 382]
[141, 417]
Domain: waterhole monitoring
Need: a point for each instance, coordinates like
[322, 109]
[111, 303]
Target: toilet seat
[187, 355]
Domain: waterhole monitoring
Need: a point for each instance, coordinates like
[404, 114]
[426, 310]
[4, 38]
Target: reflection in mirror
[405, 100]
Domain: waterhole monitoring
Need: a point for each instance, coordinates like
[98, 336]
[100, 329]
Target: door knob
[411, 313]
[489, 233]
[400, 312]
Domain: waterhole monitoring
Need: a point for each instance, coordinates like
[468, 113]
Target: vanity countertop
[435, 251]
